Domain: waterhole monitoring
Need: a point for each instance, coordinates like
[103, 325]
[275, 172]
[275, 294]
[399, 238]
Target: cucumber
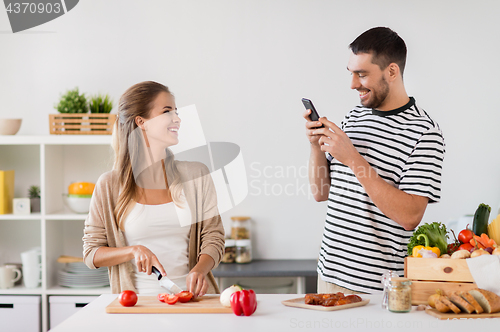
[480, 222]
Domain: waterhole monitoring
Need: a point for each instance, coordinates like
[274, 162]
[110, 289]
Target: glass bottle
[240, 228]
[230, 251]
[399, 292]
[386, 277]
[243, 251]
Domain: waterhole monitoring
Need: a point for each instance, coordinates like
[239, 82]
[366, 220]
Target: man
[382, 168]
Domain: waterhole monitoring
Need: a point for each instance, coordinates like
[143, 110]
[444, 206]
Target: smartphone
[314, 116]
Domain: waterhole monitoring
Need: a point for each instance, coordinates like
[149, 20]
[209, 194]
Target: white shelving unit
[51, 162]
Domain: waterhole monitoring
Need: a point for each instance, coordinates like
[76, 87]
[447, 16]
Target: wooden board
[421, 290]
[300, 303]
[150, 305]
[437, 269]
[451, 315]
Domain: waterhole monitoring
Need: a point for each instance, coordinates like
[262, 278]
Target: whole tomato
[465, 246]
[465, 236]
[127, 298]
[452, 247]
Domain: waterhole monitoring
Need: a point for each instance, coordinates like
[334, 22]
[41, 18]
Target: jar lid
[230, 243]
[399, 281]
[240, 218]
[243, 243]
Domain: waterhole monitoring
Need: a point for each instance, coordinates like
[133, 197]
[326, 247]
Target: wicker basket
[81, 124]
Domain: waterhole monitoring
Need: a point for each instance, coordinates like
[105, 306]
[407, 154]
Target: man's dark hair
[384, 44]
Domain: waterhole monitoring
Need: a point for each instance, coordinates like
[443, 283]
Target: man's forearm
[405, 209]
[319, 174]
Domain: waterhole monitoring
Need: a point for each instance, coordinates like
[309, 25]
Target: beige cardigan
[205, 237]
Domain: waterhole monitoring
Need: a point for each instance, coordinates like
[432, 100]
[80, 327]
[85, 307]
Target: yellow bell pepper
[416, 249]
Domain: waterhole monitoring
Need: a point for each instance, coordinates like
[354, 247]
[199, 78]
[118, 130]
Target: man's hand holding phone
[327, 135]
[312, 118]
[334, 141]
[311, 126]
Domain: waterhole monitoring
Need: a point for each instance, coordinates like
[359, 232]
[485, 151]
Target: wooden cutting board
[208, 304]
[462, 315]
[300, 303]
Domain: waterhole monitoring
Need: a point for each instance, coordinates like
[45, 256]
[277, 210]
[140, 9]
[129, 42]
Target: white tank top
[164, 231]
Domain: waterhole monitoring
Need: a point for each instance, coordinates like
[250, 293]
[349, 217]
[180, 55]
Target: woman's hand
[145, 260]
[197, 283]
[196, 280]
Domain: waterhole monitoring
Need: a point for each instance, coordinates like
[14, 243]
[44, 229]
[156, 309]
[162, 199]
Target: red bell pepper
[244, 302]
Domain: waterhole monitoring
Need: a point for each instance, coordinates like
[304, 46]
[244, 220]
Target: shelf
[58, 290]
[32, 216]
[52, 162]
[21, 290]
[66, 216]
[55, 140]
[38, 216]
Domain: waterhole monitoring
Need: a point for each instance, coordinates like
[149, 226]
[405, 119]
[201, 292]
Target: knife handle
[157, 272]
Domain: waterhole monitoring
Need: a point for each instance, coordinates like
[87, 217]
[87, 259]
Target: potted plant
[34, 195]
[72, 102]
[101, 104]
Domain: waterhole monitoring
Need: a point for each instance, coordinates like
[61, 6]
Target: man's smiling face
[368, 79]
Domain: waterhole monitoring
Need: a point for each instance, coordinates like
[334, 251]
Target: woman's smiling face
[163, 125]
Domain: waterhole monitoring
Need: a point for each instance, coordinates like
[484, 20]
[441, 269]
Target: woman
[151, 210]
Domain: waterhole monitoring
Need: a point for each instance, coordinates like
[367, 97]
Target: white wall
[246, 64]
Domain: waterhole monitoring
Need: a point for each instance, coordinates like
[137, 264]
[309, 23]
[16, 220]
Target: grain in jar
[399, 295]
[240, 228]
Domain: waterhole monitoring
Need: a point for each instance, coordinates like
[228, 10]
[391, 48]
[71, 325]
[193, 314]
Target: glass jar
[399, 295]
[229, 252]
[240, 228]
[243, 251]
[386, 277]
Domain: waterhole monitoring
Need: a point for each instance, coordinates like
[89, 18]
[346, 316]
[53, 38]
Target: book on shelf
[6, 191]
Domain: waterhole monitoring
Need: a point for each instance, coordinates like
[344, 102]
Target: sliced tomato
[185, 296]
[170, 299]
[161, 297]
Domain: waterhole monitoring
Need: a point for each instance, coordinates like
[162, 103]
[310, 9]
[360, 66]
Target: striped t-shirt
[406, 148]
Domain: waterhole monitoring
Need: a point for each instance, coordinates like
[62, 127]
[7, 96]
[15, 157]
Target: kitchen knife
[166, 282]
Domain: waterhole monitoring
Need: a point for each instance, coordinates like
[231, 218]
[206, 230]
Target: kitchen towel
[485, 270]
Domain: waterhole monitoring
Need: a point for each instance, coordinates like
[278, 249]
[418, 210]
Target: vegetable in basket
[436, 233]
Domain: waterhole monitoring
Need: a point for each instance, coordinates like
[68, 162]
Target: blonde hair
[137, 101]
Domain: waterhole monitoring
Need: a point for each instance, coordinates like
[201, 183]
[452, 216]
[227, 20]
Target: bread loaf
[489, 301]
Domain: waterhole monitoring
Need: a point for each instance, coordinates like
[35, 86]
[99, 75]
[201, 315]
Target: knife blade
[165, 282]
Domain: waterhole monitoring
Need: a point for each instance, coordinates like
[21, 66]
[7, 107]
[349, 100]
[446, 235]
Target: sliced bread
[461, 303]
[449, 304]
[469, 298]
[488, 300]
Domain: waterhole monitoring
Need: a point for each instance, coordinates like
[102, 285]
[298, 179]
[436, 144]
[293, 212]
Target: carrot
[482, 241]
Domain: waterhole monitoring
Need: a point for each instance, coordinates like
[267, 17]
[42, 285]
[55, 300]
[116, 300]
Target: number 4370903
[33, 8]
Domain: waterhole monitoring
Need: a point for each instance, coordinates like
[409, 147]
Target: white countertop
[271, 315]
